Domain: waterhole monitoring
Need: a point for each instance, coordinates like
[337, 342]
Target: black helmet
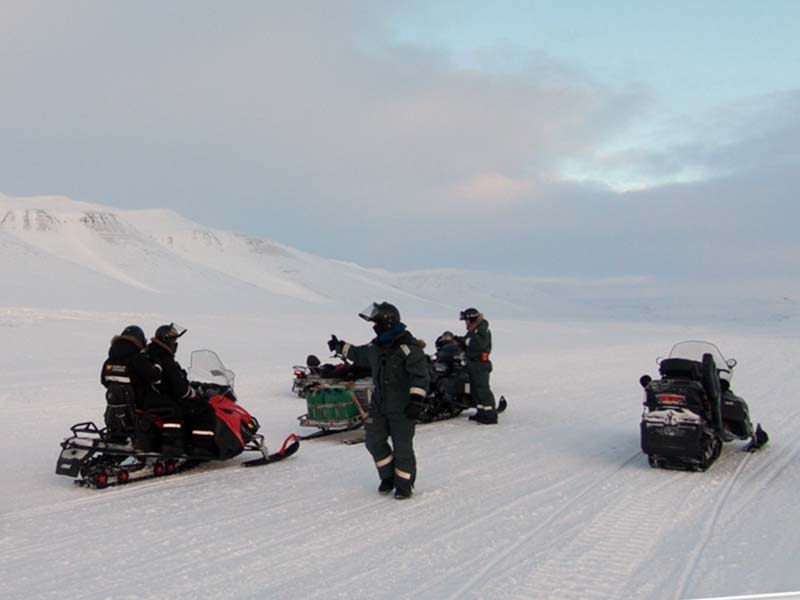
[445, 338]
[469, 314]
[169, 334]
[134, 332]
[384, 315]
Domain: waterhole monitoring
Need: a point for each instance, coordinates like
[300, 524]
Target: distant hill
[58, 252]
[64, 253]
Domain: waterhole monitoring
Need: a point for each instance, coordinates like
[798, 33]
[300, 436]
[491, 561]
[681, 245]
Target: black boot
[386, 486]
[404, 488]
[485, 417]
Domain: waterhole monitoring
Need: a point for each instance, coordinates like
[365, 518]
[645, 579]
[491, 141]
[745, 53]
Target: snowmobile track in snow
[709, 526]
[489, 567]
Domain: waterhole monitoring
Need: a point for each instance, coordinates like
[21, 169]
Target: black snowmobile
[449, 392]
[155, 445]
[691, 411]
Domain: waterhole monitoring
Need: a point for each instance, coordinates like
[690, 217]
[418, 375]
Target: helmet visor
[370, 312]
[175, 331]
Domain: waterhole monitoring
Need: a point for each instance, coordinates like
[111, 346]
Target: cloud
[307, 123]
[753, 133]
[491, 190]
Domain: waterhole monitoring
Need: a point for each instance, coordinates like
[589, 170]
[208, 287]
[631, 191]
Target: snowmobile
[337, 395]
[314, 374]
[156, 444]
[338, 400]
[449, 392]
[690, 412]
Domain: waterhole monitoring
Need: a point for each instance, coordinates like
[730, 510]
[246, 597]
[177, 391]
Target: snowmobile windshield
[694, 350]
[206, 367]
[370, 312]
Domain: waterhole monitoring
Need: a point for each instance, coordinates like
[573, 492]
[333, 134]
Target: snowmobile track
[709, 526]
[605, 551]
[488, 567]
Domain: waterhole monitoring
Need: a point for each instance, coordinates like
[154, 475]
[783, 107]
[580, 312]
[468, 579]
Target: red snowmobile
[157, 445]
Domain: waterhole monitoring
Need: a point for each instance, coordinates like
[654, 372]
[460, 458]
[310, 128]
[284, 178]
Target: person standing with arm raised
[401, 377]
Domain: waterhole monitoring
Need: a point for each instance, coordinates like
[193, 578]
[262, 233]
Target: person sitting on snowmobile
[447, 349]
[477, 346]
[127, 375]
[174, 398]
[448, 358]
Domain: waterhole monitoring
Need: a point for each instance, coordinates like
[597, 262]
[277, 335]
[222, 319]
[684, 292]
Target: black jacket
[174, 382]
[398, 370]
[129, 364]
[478, 342]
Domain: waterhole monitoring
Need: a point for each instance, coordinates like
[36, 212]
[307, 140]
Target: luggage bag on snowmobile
[335, 407]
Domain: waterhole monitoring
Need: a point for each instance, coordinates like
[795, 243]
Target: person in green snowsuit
[400, 377]
[477, 347]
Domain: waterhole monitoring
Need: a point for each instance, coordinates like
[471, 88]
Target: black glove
[415, 406]
[335, 344]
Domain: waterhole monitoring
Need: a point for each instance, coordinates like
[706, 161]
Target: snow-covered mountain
[60, 252]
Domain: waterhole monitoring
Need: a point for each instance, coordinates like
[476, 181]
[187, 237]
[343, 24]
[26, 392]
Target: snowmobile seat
[313, 363]
[680, 368]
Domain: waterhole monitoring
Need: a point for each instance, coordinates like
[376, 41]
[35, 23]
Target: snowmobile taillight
[299, 374]
[670, 399]
[124, 476]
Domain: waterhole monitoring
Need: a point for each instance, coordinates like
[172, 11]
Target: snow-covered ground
[557, 501]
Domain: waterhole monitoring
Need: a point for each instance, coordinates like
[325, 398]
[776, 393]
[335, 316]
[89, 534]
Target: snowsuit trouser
[400, 462]
[479, 385]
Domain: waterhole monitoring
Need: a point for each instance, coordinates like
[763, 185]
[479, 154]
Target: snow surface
[557, 501]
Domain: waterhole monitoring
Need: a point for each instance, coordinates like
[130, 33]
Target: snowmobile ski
[327, 432]
[290, 445]
[760, 438]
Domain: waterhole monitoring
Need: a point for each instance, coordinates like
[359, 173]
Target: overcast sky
[566, 139]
